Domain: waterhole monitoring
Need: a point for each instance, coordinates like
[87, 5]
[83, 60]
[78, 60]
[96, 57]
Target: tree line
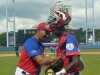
[80, 35]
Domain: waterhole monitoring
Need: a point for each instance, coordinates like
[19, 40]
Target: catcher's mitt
[56, 66]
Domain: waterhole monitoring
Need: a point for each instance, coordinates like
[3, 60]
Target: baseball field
[91, 58]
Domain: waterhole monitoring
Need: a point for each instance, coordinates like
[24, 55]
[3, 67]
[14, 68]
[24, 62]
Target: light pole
[93, 22]
[9, 21]
[7, 35]
[86, 21]
[91, 27]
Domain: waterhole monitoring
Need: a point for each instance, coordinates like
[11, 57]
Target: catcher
[67, 51]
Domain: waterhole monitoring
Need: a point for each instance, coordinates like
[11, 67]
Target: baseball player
[32, 56]
[16, 50]
[67, 48]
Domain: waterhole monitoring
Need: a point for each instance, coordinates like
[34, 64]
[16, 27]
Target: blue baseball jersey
[71, 46]
[33, 47]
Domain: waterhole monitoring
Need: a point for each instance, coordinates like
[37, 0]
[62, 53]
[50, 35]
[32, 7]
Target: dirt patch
[90, 52]
[6, 55]
[82, 53]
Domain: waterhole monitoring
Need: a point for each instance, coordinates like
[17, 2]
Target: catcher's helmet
[59, 19]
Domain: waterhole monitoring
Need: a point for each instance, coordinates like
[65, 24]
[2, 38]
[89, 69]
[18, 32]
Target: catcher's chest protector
[60, 48]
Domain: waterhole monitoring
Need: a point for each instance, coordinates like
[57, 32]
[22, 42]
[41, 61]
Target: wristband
[63, 71]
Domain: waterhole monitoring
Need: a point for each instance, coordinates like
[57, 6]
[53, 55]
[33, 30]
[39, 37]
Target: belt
[22, 71]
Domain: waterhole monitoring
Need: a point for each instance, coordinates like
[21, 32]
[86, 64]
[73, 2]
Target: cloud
[78, 13]
[2, 11]
[25, 23]
[2, 2]
[2, 25]
[32, 9]
[97, 8]
[22, 23]
[32, 12]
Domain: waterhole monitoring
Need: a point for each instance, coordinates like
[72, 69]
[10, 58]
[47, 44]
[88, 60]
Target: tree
[3, 39]
[79, 34]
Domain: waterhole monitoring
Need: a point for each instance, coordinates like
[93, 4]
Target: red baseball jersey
[67, 48]
[31, 49]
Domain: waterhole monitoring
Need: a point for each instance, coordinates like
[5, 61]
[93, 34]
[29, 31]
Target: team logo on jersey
[70, 46]
[33, 51]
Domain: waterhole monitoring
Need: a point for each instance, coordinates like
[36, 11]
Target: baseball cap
[43, 26]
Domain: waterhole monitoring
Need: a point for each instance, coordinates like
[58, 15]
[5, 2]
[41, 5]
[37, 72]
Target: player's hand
[52, 59]
[53, 74]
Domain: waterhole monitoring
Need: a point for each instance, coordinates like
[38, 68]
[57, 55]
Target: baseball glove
[56, 66]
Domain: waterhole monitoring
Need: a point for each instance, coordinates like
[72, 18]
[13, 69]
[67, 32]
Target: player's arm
[75, 62]
[43, 61]
[35, 53]
[73, 54]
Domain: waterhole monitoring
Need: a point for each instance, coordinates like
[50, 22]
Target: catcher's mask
[58, 21]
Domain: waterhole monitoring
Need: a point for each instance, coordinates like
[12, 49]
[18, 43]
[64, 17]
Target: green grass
[8, 65]
[90, 50]
[8, 52]
[82, 50]
[92, 64]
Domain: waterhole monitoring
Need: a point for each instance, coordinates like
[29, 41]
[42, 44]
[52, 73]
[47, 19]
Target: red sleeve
[60, 45]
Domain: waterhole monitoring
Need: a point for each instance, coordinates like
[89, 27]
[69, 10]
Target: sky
[29, 13]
